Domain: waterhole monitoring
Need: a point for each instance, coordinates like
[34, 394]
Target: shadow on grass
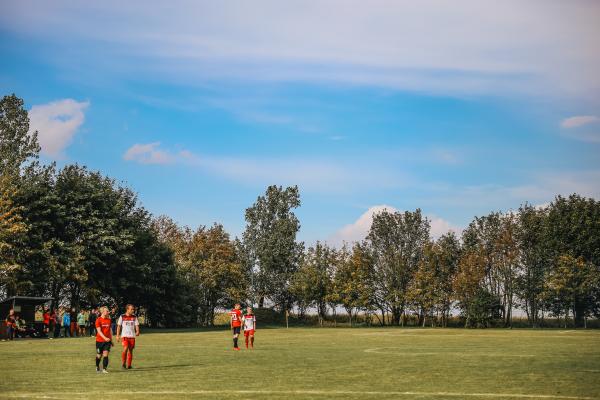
[160, 367]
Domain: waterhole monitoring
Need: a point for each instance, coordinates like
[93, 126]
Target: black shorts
[237, 330]
[102, 347]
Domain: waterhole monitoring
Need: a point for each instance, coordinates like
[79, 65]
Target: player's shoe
[98, 370]
[104, 371]
[124, 366]
[236, 348]
[129, 367]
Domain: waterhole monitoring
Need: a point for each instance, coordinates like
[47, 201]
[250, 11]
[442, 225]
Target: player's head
[129, 309]
[249, 310]
[237, 306]
[104, 312]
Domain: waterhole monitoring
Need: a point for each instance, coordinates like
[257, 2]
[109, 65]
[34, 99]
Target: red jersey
[46, 317]
[236, 318]
[103, 325]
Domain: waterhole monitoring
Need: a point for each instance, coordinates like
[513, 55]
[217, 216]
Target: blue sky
[459, 109]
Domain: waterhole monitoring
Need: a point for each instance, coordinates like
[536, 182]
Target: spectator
[66, 322]
[113, 318]
[73, 319]
[22, 330]
[57, 323]
[92, 319]
[81, 323]
[11, 323]
[46, 318]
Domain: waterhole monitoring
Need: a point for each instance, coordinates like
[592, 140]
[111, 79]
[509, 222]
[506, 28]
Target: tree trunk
[578, 313]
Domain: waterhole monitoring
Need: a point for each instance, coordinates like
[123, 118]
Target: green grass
[313, 363]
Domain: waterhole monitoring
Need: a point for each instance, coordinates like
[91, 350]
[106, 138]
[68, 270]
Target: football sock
[105, 362]
[252, 341]
[246, 342]
[129, 358]
[123, 356]
[97, 362]
[235, 340]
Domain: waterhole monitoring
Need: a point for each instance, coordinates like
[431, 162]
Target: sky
[457, 108]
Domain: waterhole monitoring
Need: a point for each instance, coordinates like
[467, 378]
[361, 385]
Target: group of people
[69, 322]
[126, 328]
[16, 327]
[247, 322]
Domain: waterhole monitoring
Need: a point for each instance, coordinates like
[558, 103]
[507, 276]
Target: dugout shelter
[25, 306]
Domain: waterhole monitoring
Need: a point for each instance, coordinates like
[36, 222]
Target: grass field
[313, 363]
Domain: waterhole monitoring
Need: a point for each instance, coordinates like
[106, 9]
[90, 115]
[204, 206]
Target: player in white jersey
[128, 327]
[249, 323]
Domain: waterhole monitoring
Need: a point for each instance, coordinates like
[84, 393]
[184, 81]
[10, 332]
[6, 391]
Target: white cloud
[148, 154]
[585, 128]
[309, 174]
[359, 229]
[579, 120]
[57, 122]
[460, 47]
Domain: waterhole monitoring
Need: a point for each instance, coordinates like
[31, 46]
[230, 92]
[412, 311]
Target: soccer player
[128, 327]
[236, 324]
[103, 340]
[249, 327]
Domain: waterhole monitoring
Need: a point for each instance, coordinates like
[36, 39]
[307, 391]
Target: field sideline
[313, 363]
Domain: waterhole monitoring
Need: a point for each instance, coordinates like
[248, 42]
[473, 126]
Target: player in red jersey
[128, 327]
[249, 321]
[103, 339]
[236, 324]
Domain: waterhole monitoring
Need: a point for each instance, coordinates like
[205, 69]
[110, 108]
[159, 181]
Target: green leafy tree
[312, 284]
[571, 283]
[573, 228]
[353, 280]
[12, 235]
[397, 241]
[17, 145]
[534, 260]
[271, 247]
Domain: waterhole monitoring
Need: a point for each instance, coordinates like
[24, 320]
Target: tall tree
[270, 242]
[17, 145]
[397, 240]
[573, 283]
[12, 237]
[573, 228]
[312, 282]
[449, 253]
[534, 260]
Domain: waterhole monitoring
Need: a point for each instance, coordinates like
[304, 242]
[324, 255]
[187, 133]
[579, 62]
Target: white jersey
[249, 322]
[128, 324]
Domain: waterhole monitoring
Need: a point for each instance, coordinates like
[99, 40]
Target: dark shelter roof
[22, 300]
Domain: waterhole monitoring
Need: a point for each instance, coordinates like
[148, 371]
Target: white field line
[324, 393]
[386, 350]
[458, 335]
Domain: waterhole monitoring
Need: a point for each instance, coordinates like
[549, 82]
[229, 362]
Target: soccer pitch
[313, 363]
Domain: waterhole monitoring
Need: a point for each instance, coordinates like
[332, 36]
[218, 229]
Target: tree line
[84, 239]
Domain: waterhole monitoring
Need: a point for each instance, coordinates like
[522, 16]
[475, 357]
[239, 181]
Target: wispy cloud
[310, 174]
[148, 153]
[57, 122]
[585, 128]
[579, 120]
[457, 47]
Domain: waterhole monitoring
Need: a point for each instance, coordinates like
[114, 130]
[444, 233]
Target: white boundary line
[301, 392]
[386, 350]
